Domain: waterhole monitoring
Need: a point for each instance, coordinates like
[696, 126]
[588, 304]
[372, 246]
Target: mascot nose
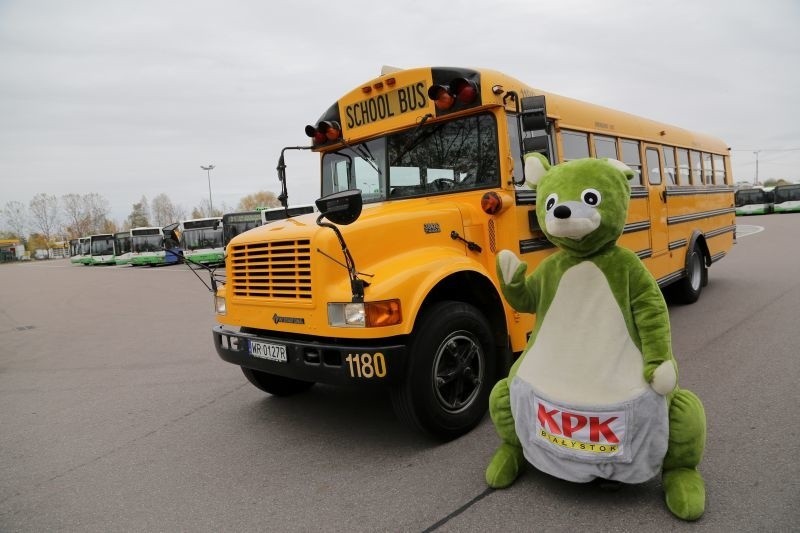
[562, 211]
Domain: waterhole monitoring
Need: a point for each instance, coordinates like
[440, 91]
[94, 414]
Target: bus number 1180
[366, 365]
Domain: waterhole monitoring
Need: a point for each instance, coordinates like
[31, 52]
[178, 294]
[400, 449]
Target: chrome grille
[277, 269]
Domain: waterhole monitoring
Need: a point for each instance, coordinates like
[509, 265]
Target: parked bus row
[765, 200]
[197, 241]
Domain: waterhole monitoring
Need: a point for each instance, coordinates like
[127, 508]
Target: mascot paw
[664, 378]
[504, 466]
[509, 266]
[685, 493]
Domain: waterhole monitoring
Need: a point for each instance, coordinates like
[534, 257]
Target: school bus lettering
[412, 97]
[383, 106]
[366, 365]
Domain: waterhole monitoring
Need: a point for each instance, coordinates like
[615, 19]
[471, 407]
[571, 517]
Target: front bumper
[319, 361]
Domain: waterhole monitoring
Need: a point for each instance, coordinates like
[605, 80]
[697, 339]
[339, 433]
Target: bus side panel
[709, 211]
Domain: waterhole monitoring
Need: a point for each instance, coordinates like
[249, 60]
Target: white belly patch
[583, 353]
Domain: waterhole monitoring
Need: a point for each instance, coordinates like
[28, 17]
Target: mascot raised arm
[594, 394]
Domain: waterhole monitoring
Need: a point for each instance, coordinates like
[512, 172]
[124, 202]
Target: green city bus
[787, 198]
[753, 201]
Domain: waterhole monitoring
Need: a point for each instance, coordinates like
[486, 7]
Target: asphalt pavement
[116, 414]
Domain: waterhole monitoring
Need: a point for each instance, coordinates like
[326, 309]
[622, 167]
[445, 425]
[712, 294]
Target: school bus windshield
[433, 158]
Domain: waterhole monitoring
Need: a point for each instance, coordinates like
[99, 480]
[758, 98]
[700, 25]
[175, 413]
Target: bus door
[657, 194]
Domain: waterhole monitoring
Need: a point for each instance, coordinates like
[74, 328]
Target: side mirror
[534, 113]
[536, 144]
[341, 208]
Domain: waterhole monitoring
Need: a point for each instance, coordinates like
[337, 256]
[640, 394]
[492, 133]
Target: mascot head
[582, 204]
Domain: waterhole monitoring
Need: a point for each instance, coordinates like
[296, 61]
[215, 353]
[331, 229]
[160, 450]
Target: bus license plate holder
[267, 350]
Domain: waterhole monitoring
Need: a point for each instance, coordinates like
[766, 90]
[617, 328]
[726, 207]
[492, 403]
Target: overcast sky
[130, 98]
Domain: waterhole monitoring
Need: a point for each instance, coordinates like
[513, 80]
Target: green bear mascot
[594, 394]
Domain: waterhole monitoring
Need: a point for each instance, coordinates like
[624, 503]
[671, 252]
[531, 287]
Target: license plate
[266, 350]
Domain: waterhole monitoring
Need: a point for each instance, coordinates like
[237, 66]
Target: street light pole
[208, 170]
[756, 153]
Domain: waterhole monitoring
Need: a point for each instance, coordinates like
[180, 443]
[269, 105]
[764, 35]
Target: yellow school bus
[393, 281]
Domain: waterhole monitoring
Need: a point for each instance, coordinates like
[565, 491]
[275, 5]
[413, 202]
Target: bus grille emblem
[287, 319]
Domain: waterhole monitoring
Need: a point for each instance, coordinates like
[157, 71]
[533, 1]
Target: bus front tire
[451, 370]
[688, 289]
[275, 385]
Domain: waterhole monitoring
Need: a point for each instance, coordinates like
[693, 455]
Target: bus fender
[437, 273]
[698, 239]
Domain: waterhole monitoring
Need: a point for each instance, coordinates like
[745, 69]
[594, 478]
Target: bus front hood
[386, 239]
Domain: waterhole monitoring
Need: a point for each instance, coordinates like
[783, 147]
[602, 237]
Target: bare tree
[180, 212]
[16, 217]
[258, 199]
[45, 214]
[163, 210]
[204, 210]
[77, 223]
[86, 214]
[98, 208]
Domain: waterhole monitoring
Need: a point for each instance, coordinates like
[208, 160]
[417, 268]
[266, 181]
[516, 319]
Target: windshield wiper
[412, 141]
[365, 155]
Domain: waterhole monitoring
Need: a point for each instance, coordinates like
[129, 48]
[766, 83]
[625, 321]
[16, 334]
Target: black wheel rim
[458, 371]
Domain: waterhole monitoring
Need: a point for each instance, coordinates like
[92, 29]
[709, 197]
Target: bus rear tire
[451, 371]
[274, 384]
[688, 289]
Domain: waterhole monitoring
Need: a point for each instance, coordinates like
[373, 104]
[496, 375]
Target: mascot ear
[536, 166]
[622, 167]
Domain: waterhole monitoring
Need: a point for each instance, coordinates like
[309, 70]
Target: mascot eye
[551, 201]
[591, 197]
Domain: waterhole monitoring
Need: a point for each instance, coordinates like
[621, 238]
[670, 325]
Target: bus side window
[631, 157]
[697, 175]
[653, 166]
[605, 147]
[574, 145]
[708, 174]
[719, 170]
[341, 173]
[669, 165]
[683, 167]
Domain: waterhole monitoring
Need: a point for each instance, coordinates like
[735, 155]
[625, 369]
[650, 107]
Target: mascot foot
[685, 493]
[504, 466]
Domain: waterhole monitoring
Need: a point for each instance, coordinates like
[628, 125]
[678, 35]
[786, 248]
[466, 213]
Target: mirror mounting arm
[283, 197]
[356, 284]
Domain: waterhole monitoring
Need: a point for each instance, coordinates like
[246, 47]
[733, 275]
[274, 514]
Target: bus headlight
[367, 314]
[219, 305]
